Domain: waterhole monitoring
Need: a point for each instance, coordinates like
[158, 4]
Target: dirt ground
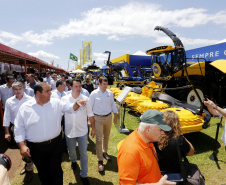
[13, 152]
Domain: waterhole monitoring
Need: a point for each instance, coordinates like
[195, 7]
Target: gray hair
[20, 84]
[143, 125]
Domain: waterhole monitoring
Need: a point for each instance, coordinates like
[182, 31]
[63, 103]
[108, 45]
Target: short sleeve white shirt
[102, 103]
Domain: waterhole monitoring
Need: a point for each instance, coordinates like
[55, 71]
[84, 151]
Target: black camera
[5, 161]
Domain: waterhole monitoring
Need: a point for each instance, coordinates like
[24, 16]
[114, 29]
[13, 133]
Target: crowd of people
[46, 116]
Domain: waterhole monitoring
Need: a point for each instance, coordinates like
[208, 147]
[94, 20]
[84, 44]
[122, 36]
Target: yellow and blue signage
[156, 70]
[210, 53]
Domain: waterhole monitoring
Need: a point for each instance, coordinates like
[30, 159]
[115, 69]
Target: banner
[87, 52]
[210, 53]
[76, 65]
[79, 67]
[81, 57]
[73, 57]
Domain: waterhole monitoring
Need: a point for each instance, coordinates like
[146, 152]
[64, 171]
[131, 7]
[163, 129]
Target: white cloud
[118, 22]
[100, 59]
[164, 40]
[44, 55]
[193, 42]
[186, 41]
[114, 37]
[224, 40]
[140, 53]
[9, 38]
[34, 38]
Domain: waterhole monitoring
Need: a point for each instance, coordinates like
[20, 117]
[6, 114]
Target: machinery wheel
[121, 86]
[191, 97]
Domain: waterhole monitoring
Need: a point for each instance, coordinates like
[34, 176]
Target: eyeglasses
[155, 153]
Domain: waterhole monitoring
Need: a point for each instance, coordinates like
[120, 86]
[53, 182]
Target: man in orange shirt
[137, 158]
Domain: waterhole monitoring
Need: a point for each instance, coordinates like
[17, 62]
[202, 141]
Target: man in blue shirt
[32, 82]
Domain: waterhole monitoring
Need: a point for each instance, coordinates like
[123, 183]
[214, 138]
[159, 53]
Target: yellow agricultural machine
[208, 77]
[179, 84]
[152, 97]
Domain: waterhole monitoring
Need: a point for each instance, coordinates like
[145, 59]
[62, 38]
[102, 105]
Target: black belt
[102, 115]
[45, 142]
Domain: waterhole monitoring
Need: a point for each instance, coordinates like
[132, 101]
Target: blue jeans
[82, 146]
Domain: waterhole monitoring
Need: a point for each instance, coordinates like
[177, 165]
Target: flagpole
[68, 65]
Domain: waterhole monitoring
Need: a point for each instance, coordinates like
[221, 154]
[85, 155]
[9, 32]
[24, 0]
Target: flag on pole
[87, 52]
[76, 65]
[73, 57]
[81, 57]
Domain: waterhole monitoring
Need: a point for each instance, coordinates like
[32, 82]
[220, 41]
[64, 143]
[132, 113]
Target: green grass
[203, 143]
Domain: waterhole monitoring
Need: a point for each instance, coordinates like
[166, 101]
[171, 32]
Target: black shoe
[100, 166]
[84, 181]
[74, 166]
[23, 171]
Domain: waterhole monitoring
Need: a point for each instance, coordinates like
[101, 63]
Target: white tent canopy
[78, 71]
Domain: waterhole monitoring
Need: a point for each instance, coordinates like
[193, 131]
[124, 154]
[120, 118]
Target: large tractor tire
[191, 98]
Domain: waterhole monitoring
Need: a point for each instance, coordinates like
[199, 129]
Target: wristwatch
[5, 161]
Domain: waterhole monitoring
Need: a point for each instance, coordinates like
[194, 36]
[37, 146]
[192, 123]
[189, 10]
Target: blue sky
[52, 29]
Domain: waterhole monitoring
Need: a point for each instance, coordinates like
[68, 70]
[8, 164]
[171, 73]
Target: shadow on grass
[65, 157]
[133, 113]
[95, 181]
[91, 146]
[92, 180]
[112, 166]
[31, 179]
[202, 142]
[77, 176]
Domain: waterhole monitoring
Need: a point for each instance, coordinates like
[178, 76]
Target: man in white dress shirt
[32, 82]
[29, 91]
[6, 90]
[59, 91]
[76, 129]
[38, 121]
[83, 91]
[11, 108]
[48, 78]
[67, 83]
[53, 81]
[102, 102]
